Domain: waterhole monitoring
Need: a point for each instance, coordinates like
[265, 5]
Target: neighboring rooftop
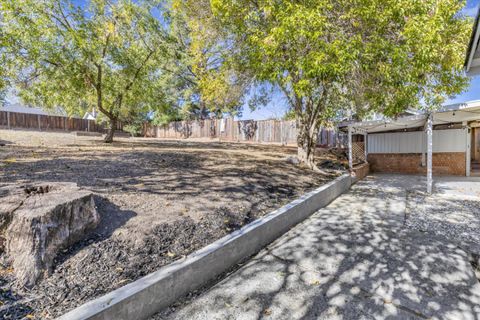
[16, 107]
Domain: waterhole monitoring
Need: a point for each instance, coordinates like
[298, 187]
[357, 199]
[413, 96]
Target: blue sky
[277, 107]
[473, 92]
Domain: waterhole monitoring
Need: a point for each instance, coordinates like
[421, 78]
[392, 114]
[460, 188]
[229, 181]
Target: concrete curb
[150, 294]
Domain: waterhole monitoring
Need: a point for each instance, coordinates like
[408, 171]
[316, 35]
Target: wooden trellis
[358, 151]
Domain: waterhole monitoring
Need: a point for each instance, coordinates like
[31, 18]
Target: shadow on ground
[146, 180]
[159, 201]
[4, 143]
[72, 266]
[353, 259]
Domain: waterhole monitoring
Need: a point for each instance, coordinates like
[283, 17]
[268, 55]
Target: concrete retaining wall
[150, 294]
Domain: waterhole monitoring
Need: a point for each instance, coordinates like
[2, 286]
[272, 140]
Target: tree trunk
[307, 143]
[111, 131]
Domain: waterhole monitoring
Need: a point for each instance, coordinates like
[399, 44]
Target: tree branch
[137, 72]
[98, 87]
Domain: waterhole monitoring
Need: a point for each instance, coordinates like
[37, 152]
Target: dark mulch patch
[158, 201]
[96, 266]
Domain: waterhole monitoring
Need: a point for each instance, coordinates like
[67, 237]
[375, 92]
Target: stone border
[156, 291]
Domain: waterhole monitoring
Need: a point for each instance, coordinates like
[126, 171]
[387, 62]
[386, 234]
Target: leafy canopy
[201, 80]
[108, 54]
[334, 56]
[380, 55]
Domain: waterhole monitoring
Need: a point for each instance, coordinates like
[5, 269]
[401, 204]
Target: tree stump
[37, 221]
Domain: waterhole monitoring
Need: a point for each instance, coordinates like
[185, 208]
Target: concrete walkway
[354, 259]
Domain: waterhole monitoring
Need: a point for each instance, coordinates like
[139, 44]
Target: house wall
[401, 152]
[443, 163]
[453, 140]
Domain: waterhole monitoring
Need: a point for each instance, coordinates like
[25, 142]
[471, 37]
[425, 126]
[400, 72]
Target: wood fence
[265, 131]
[13, 120]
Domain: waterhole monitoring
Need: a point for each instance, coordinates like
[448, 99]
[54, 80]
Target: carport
[437, 142]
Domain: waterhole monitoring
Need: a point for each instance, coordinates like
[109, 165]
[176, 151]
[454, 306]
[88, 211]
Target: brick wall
[443, 163]
[361, 171]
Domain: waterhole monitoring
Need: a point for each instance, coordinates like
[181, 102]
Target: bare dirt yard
[158, 201]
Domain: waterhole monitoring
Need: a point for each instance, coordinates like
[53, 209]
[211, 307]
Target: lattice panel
[358, 152]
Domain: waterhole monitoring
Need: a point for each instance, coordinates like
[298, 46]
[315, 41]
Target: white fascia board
[473, 49]
[372, 126]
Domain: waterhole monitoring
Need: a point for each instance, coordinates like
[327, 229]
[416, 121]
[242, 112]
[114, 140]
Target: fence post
[38, 120]
[8, 119]
[282, 141]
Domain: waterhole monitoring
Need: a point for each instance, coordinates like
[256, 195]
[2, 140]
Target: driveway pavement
[355, 259]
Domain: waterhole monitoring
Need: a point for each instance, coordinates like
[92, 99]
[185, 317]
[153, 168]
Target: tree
[201, 79]
[4, 62]
[371, 55]
[107, 54]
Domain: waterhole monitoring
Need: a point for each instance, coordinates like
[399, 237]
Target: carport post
[429, 152]
[350, 154]
[365, 136]
[468, 149]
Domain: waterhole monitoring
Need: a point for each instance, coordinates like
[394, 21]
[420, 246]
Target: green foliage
[329, 57]
[202, 80]
[108, 55]
[135, 126]
[4, 64]
[289, 115]
[163, 118]
[417, 68]
[368, 56]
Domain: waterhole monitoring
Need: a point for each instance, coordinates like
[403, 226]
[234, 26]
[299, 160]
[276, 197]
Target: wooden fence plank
[265, 131]
[45, 122]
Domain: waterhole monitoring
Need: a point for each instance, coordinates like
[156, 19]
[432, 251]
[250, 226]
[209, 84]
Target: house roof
[16, 107]
[23, 109]
[460, 112]
[472, 59]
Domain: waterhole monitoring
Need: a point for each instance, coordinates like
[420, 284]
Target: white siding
[416, 142]
[449, 140]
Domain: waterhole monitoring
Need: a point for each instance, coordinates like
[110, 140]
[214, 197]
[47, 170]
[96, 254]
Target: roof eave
[473, 44]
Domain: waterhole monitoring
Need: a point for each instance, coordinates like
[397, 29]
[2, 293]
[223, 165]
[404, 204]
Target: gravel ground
[455, 217]
[158, 201]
